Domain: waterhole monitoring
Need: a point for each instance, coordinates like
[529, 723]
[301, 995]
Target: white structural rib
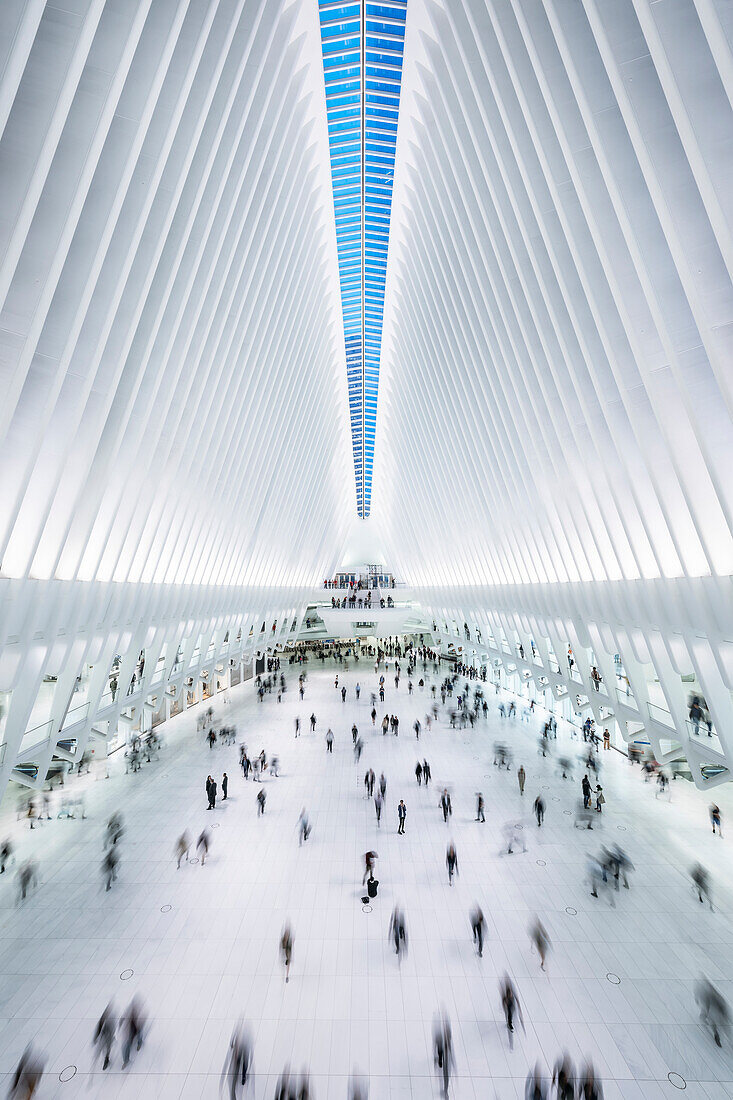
[557, 352]
[174, 448]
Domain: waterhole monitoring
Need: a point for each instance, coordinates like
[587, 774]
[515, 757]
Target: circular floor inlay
[555, 798]
[677, 1080]
[194, 860]
[519, 826]
[67, 1073]
[540, 863]
[545, 786]
[622, 828]
[613, 979]
[570, 911]
[166, 908]
[215, 825]
[366, 908]
[568, 812]
[126, 975]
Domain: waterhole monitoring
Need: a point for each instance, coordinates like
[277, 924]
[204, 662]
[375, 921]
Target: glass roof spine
[363, 45]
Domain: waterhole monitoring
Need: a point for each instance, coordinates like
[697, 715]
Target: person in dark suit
[211, 793]
[224, 785]
[401, 814]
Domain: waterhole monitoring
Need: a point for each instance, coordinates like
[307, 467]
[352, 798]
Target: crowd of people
[359, 584]
[456, 700]
[608, 871]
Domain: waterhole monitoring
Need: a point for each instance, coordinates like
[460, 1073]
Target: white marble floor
[212, 957]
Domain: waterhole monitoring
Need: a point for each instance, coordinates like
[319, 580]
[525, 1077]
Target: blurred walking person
[286, 950]
[540, 939]
[445, 805]
[202, 845]
[398, 932]
[513, 834]
[27, 877]
[182, 847]
[6, 851]
[109, 867]
[443, 1051]
[133, 1025]
[369, 860]
[589, 1087]
[104, 1035]
[536, 1086]
[238, 1062]
[701, 882]
[510, 1004]
[304, 828]
[714, 1012]
[286, 1088]
[451, 862]
[27, 1076]
[477, 927]
[358, 1089]
[563, 1076]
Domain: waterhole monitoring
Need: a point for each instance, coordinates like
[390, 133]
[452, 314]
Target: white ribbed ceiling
[557, 391]
[557, 356]
[171, 359]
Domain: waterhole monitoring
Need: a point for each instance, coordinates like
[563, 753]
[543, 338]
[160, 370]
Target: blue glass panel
[362, 108]
[343, 11]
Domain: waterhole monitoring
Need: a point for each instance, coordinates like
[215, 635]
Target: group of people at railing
[360, 601]
[361, 584]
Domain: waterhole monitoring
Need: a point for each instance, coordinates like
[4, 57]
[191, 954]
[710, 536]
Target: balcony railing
[701, 732]
[661, 715]
[75, 714]
[36, 738]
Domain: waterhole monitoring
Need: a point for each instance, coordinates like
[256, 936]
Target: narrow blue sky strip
[363, 45]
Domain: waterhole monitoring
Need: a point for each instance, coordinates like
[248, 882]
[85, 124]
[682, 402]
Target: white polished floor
[213, 956]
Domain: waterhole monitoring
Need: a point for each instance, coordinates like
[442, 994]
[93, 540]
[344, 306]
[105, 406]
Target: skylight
[363, 46]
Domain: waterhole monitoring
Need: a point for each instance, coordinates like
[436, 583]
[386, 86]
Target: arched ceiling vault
[204, 204]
